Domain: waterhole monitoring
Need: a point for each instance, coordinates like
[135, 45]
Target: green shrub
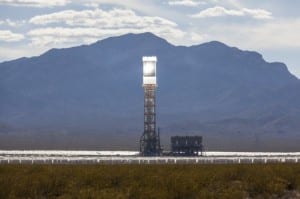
[149, 181]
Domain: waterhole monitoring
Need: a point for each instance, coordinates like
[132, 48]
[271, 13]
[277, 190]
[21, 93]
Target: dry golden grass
[150, 181]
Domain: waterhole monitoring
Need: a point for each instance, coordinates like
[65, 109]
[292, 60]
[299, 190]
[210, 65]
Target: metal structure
[186, 145]
[150, 141]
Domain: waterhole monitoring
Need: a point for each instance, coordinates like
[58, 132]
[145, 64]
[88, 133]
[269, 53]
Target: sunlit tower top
[149, 70]
[150, 142]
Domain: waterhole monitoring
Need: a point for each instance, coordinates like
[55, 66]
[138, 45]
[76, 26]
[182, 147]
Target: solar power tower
[150, 141]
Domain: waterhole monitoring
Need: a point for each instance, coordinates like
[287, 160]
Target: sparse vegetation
[150, 181]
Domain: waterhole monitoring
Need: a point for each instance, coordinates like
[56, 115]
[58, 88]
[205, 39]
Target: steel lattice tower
[150, 141]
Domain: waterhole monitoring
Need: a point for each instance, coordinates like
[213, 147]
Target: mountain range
[91, 97]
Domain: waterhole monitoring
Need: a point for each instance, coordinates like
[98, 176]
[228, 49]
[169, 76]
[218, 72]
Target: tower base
[150, 146]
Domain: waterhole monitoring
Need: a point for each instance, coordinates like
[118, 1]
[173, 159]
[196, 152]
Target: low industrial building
[186, 145]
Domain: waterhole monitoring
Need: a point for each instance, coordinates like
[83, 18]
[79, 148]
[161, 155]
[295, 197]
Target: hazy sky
[271, 27]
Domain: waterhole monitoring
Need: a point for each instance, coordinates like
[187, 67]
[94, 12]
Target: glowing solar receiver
[149, 70]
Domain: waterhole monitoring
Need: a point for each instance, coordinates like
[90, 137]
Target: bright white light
[149, 70]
